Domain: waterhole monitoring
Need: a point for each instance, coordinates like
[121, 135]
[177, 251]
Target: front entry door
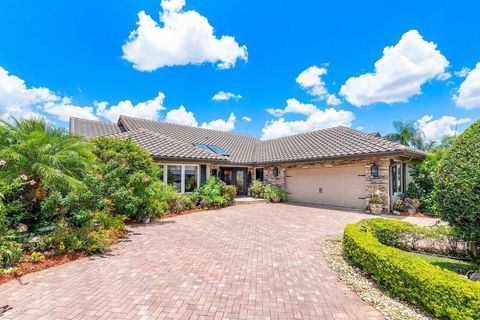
[236, 177]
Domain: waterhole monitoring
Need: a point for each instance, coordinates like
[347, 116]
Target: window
[174, 177]
[398, 177]
[259, 174]
[212, 148]
[191, 178]
[184, 177]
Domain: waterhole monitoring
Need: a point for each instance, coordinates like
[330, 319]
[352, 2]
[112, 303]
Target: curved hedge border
[440, 292]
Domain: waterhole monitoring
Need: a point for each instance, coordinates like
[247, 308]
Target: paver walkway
[256, 261]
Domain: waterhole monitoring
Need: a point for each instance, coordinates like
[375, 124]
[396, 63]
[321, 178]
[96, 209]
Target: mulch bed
[417, 215]
[29, 267]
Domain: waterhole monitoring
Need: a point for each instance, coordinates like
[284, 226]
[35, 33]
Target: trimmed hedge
[457, 184]
[440, 292]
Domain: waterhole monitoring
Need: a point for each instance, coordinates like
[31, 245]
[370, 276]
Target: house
[337, 166]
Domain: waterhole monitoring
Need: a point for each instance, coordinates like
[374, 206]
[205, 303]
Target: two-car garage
[339, 186]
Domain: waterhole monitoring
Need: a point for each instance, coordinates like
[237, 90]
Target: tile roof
[167, 140]
[161, 146]
[240, 147]
[91, 128]
[331, 143]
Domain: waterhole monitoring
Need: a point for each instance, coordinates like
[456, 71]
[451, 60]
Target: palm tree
[407, 133]
[46, 157]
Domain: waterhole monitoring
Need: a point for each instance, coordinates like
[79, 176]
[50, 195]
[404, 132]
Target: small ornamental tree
[457, 186]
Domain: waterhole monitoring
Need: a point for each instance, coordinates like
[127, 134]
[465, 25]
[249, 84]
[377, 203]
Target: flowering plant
[412, 203]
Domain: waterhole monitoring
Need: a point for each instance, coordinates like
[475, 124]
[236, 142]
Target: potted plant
[412, 204]
[375, 202]
[399, 206]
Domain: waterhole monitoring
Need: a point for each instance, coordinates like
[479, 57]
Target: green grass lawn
[457, 266]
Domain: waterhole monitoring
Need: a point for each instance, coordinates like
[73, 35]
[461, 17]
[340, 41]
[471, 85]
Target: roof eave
[404, 153]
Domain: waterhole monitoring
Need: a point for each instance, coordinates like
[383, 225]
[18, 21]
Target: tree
[407, 133]
[44, 156]
[457, 186]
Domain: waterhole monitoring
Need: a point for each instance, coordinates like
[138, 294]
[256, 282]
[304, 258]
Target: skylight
[212, 148]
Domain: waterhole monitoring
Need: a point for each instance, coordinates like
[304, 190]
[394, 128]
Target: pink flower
[2, 163]
[145, 180]
[33, 182]
[24, 177]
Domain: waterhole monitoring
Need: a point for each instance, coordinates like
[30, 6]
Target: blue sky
[76, 59]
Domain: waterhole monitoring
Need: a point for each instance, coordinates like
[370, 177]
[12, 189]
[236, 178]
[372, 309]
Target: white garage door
[342, 186]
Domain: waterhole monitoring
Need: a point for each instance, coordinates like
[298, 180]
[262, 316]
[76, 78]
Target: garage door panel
[336, 186]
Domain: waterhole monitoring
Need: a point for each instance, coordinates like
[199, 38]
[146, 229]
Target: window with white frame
[184, 177]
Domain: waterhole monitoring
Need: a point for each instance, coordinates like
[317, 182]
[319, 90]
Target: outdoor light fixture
[275, 172]
[374, 170]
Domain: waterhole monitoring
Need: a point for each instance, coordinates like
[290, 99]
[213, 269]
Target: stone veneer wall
[371, 184]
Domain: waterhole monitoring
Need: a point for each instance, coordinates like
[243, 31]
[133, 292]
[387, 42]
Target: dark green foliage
[457, 185]
[440, 292]
[129, 178]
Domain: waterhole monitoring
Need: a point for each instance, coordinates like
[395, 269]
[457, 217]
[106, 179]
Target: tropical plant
[457, 186]
[44, 156]
[407, 133]
[257, 189]
[275, 194]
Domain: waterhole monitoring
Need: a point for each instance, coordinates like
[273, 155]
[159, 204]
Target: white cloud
[224, 96]
[399, 74]
[462, 73]
[316, 119]
[181, 116]
[246, 119]
[145, 110]
[311, 80]
[294, 106]
[220, 124]
[468, 95]
[436, 129]
[64, 109]
[360, 128]
[17, 100]
[184, 37]
[185, 117]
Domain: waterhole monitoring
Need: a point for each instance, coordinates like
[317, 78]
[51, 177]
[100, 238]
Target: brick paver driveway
[256, 261]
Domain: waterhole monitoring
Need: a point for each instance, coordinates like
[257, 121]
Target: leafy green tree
[457, 186]
[129, 178]
[407, 133]
[44, 156]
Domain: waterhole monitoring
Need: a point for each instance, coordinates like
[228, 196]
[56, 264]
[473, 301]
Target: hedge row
[440, 292]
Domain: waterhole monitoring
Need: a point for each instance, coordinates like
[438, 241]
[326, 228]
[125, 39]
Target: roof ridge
[306, 132]
[185, 125]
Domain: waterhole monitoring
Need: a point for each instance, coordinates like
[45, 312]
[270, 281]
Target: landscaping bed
[374, 245]
[360, 283]
[26, 267]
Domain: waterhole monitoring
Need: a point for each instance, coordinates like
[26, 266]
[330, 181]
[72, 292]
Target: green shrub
[457, 186]
[257, 189]
[440, 292]
[129, 178]
[10, 250]
[229, 193]
[210, 193]
[275, 194]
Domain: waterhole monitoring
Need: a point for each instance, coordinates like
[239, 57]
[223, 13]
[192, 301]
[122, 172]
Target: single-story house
[337, 166]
